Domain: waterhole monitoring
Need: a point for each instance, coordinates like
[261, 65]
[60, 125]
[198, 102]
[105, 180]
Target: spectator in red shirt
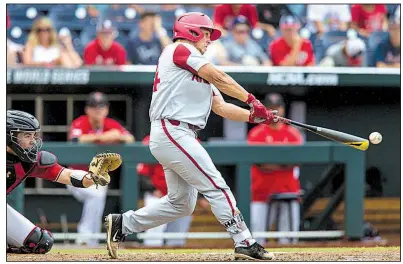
[268, 179]
[95, 127]
[290, 49]
[157, 177]
[225, 14]
[104, 50]
[368, 18]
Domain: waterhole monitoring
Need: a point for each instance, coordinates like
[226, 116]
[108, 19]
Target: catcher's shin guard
[39, 241]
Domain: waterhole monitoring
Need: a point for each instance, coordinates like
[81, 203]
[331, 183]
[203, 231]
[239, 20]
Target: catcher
[25, 159]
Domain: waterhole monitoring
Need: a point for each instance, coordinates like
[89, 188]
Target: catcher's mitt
[101, 164]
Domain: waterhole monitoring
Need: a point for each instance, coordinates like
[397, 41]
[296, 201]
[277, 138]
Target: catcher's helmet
[188, 25]
[17, 122]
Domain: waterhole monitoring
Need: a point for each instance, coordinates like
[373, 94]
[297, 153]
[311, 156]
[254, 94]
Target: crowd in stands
[357, 35]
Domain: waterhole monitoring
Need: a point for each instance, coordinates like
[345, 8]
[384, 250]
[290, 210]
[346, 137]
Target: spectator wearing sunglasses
[44, 49]
[241, 48]
[104, 50]
[346, 53]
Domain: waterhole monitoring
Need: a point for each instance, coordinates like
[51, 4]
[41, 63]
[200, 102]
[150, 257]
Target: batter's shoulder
[186, 48]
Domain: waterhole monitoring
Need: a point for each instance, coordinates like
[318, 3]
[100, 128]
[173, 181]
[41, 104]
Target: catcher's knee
[40, 241]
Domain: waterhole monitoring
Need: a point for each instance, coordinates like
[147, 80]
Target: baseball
[375, 138]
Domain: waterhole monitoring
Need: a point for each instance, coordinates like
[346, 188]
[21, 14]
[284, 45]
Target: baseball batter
[186, 88]
[25, 159]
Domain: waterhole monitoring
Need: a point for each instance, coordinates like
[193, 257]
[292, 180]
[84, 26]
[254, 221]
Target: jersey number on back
[156, 81]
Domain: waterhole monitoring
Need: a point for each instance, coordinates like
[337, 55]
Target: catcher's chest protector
[16, 171]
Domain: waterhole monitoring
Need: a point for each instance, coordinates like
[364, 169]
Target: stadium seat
[88, 34]
[299, 11]
[123, 19]
[168, 19]
[67, 17]
[42, 7]
[206, 10]
[23, 15]
[332, 37]
[264, 41]
[115, 14]
[122, 39]
[17, 35]
[319, 49]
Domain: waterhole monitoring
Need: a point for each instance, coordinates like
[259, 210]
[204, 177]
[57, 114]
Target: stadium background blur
[357, 107]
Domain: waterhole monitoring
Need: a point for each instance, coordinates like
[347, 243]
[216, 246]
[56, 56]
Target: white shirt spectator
[330, 15]
[42, 54]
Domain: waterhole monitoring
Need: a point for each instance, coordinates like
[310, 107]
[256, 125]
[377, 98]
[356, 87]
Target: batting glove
[271, 117]
[258, 112]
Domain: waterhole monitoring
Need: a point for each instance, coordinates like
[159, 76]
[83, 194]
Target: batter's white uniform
[181, 102]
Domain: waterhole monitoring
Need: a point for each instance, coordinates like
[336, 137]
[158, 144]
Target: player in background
[268, 179]
[157, 177]
[94, 127]
[184, 93]
[25, 159]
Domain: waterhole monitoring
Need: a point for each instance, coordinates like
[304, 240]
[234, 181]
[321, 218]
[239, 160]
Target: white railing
[209, 235]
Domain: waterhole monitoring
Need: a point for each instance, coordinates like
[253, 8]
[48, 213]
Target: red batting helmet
[188, 25]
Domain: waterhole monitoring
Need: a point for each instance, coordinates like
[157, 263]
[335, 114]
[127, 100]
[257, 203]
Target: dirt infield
[315, 254]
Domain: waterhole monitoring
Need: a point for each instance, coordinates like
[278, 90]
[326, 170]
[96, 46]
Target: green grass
[126, 251]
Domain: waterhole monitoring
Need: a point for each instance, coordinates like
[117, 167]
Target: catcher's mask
[22, 135]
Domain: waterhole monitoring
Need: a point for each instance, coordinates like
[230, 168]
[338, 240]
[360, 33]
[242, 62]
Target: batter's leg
[259, 213]
[180, 225]
[181, 152]
[180, 201]
[150, 199]
[188, 168]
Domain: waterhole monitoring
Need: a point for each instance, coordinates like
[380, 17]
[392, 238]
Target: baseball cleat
[113, 224]
[253, 252]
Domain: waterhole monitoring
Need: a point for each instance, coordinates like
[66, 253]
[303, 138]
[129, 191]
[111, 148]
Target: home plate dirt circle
[384, 254]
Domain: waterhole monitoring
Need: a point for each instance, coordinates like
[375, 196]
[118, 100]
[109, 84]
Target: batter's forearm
[233, 112]
[230, 87]
[223, 82]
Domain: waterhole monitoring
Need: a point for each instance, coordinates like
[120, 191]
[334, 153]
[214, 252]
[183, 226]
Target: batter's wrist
[250, 99]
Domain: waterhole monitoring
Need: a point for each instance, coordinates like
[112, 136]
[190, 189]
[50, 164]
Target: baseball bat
[344, 138]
